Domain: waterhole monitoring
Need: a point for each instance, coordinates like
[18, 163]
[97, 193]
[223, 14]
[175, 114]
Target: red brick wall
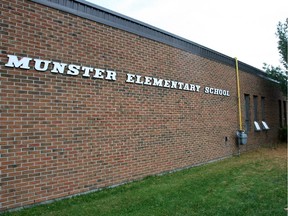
[254, 86]
[62, 135]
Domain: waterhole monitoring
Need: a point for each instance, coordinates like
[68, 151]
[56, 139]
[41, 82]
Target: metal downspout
[239, 101]
[238, 95]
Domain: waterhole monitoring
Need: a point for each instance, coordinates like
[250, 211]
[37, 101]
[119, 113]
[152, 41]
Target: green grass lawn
[253, 184]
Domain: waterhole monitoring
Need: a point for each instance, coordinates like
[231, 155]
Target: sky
[244, 29]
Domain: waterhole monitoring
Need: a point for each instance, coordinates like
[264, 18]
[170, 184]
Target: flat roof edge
[102, 15]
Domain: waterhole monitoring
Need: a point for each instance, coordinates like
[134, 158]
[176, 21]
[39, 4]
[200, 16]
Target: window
[285, 113]
[247, 112]
[255, 101]
[256, 124]
[264, 123]
[280, 113]
[263, 108]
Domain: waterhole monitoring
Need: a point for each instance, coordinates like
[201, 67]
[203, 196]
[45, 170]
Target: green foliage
[252, 184]
[276, 73]
[282, 34]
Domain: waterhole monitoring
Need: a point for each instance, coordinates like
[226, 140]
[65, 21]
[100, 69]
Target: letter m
[14, 62]
[157, 82]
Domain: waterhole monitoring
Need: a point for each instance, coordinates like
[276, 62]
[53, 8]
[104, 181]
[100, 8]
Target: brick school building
[92, 99]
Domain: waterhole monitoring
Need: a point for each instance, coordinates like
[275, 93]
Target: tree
[280, 74]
